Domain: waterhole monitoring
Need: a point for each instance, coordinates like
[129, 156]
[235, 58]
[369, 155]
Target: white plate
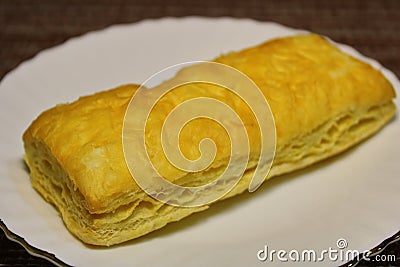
[355, 196]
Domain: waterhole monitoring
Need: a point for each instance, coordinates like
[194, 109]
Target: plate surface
[310, 209]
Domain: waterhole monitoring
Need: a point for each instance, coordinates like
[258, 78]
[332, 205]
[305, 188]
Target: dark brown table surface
[27, 27]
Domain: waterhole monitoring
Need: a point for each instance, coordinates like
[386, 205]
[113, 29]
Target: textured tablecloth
[27, 27]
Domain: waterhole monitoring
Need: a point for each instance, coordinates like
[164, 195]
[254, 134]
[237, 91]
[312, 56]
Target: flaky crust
[323, 102]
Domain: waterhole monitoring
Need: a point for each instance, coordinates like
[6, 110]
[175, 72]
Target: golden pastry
[323, 101]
